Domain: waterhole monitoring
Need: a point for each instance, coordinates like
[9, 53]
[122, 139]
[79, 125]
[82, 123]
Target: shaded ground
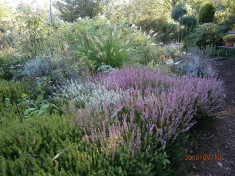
[219, 139]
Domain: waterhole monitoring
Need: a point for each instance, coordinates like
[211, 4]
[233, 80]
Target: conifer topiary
[207, 13]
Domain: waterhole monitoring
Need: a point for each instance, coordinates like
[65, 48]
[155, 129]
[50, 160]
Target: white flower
[176, 63]
[170, 62]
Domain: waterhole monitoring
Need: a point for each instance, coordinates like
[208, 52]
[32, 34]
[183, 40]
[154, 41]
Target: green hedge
[30, 148]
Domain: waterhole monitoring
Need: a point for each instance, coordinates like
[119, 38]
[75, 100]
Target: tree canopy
[72, 9]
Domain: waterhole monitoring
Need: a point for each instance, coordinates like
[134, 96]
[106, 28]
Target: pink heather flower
[154, 105]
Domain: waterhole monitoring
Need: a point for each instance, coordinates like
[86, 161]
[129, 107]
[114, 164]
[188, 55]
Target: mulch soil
[219, 139]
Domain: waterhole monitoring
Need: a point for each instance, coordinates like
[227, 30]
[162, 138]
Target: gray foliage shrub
[36, 67]
[194, 65]
[86, 93]
[58, 69]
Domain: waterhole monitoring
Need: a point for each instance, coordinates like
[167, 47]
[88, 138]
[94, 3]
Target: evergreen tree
[207, 13]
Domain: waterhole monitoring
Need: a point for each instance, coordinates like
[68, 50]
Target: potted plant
[229, 39]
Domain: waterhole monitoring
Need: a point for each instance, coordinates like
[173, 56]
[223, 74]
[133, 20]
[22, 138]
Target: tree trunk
[173, 3]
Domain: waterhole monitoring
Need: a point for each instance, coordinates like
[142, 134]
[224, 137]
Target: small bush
[156, 111]
[195, 66]
[86, 93]
[207, 13]
[166, 31]
[228, 23]
[205, 35]
[36, 68]
[188, 21]
[10, 96]
[11, 90]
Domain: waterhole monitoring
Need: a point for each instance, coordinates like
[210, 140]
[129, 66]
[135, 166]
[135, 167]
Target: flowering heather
[156, 110]
[86, 93]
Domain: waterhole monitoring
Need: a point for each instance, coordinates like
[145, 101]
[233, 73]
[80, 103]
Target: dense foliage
[108, 91]
[71, 10]
[205, 35]
[207, 13]
[189, 21]
[178, 11]
[152, 113]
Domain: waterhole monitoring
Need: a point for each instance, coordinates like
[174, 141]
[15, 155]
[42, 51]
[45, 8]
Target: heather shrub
[54, 145]
[155, 112]
[143, 78]
[86, 93]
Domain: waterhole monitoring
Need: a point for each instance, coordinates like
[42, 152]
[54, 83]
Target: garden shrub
[207, 13]
[10, 96]
[178, 11]
[205, 35]
[106, 44]
[166, 31]
[43, 73]
[188, 21]
[157, 110]
[36, 68]
[143, 134]
[81, 94]
[56, 146]
[228, 23]
[195, 66]
[30, 31]
[29, 147]
[11, 90]
[190, 41]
